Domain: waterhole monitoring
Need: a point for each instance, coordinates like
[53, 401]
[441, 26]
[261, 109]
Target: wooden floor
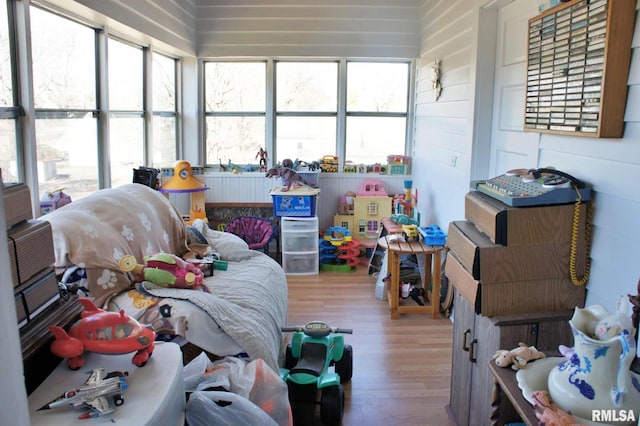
[401, 368]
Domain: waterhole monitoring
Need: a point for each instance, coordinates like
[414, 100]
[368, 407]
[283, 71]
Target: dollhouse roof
[371, 188]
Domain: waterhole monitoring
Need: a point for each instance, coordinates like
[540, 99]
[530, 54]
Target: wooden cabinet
[476, 338]
[578, 65]
[35, 286]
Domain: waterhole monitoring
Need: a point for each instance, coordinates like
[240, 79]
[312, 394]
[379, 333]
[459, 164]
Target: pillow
[95, 232]
[227, 245]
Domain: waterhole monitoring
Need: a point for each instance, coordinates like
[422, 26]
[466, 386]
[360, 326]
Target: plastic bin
[433, 235]
[297, 202]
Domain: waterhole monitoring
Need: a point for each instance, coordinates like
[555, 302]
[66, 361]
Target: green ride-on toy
[314, 348]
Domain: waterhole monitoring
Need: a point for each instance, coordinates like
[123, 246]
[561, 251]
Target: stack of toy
[405, 204]
[338, 250]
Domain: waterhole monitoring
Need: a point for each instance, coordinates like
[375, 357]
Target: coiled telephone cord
[575, 233]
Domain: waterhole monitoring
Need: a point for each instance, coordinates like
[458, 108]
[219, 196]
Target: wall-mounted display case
[578, 65]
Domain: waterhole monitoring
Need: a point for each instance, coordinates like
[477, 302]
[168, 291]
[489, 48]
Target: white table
[155, 393]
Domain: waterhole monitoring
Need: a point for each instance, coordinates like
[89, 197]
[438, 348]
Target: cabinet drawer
[40, 292]
[21, 313]
[299, 241]
[299, 224]
[17, 203]
[300, 264]
[33, 246]
[13, 263]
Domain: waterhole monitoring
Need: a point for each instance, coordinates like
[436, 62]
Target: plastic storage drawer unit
[299, 245]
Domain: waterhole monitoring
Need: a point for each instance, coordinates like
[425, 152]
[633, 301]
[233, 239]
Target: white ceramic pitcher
[596, 375]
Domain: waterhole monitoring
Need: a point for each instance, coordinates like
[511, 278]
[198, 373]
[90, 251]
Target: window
[235, 105]
[126, 100]
[8, 102]
[373, 209]
[377, 102]
[66, 65]
[64, 87]
[305, 110]
[164, 148]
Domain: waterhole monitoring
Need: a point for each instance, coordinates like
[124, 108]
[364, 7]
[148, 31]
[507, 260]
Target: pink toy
[166, 270]
[371, 188]
[549, 413]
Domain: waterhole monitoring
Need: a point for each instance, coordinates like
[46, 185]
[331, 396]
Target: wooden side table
[433, 264]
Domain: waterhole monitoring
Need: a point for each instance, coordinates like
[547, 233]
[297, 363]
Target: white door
[511, 147]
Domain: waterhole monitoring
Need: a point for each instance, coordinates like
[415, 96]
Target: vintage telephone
[545, 186]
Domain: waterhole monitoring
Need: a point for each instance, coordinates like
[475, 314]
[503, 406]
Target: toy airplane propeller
[96, 393]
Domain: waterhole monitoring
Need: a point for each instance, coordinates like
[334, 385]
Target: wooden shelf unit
[579, 54]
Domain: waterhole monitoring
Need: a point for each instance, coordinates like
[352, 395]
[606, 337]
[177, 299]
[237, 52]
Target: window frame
[271, 113]
[25, 114]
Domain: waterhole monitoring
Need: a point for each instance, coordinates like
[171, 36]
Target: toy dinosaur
[517, 357]
[289, 177]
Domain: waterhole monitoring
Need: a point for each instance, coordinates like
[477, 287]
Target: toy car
[314, 348]
[410, 232]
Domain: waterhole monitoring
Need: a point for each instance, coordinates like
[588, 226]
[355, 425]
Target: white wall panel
[170, 23]
[352, 28]
[612, 166]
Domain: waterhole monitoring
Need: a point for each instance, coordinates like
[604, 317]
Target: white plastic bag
[206, 408]
[254, 381]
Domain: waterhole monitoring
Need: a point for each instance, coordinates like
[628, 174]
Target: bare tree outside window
[306, 111]
[235, 105]
[63, 57]
[126, 125]
[164, 111]
[377, 105]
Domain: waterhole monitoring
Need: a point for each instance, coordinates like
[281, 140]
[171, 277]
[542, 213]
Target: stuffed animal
[165, 270]
[613, 325]
[549, 413]
[517, 357]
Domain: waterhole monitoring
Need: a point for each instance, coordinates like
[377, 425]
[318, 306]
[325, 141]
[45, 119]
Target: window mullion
[270, 114]
[147, 105]
[341, 125]
[102, 99]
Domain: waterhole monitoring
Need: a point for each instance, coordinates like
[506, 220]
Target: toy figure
[549, 413]
[288, 175]
[518, 356]
[166, 270]
[263, 155]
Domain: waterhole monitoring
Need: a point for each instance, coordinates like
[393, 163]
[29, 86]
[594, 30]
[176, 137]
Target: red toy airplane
[102, 332]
